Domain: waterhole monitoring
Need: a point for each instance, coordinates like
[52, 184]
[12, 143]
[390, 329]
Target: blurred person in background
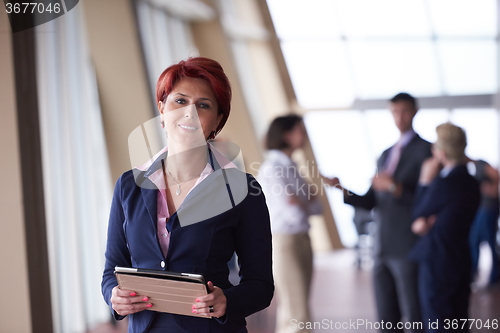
[290, 204]
[445, 206]
[485, 226]
[391, 196]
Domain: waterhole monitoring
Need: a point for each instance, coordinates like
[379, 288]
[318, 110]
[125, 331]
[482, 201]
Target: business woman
[188, 210]
[445, 206]
[291, 201]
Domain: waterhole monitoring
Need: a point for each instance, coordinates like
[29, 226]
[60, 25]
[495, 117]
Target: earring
[162, 123]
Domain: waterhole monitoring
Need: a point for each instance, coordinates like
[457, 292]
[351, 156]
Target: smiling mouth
[188, 127]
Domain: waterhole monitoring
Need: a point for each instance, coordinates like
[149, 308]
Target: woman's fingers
[122, 292]
[212, 304]
[126, 309]
[126, 302]
[131, 300]
[210, 309]
[419, 226]
[120, 296]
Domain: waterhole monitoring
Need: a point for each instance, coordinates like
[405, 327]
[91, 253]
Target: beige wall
[278, 98]
[124, 93]
[210, 41]
[15, 307]
[263, 62]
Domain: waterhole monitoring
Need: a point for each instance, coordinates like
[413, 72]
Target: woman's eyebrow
[185, 95]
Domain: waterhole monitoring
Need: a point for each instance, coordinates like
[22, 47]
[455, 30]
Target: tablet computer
[171, 292]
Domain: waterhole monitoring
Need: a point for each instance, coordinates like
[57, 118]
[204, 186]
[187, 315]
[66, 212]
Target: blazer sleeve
[407, 195]
[410, 183]
[429, 199]
[117, 253]
[367, 201]
[254, 249]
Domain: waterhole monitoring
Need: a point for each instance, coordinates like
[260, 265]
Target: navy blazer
[204, 248]
[454, 200]
[394, 238]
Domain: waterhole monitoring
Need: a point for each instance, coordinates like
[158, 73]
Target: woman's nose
[190, 111]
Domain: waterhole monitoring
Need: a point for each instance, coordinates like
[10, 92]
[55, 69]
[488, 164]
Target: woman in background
[445, 206]
[290, 205]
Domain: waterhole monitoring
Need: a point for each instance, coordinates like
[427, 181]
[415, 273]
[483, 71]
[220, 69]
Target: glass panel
[383, 18]
[469, 67]
[317, 18]
[77, 182]
[383, 69]
[481, 126]
[426, 121]
[464, 17]
[382, 132]
[339, 141]
[319, 73]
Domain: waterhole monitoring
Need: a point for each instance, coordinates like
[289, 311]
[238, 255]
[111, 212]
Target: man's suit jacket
[454, 200]
[394, 238]
[204, 248]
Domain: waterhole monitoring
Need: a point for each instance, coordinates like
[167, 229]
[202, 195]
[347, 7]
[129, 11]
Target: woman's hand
[333, 182]
[292, 199]
[422, 225]
[215, 300]
[126, 302]
[429, 171]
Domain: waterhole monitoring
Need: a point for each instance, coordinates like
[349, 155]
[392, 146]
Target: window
[336, 52]
[348, 143]
[77, 183]
[166, 37]
[341, 52]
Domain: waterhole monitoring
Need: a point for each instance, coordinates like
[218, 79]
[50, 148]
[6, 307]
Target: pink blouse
[162, 207]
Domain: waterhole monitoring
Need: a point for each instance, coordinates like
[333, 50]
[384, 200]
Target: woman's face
[296, 138]
[438, 154]
[190, 112]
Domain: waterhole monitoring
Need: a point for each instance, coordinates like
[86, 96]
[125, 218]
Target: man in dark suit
[391, 195]
[445, 207]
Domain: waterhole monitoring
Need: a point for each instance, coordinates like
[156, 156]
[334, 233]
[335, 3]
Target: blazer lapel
[383, 159]
[149, 190]
[150, 198]
[406, 153]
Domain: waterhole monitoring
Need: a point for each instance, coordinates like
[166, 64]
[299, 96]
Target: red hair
[198, 68]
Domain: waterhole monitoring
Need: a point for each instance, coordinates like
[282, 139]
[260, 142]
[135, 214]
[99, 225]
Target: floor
[342, 293]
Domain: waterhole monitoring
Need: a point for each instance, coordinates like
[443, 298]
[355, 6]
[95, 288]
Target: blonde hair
[452, 141]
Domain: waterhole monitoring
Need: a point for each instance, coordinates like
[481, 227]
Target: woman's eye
[204, 106]
[180, 101]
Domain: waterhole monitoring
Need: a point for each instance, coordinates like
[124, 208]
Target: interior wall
[116, 53]
[275, 49]
[211, 42]
[15, 313]
[323, 232]
[265, 68]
